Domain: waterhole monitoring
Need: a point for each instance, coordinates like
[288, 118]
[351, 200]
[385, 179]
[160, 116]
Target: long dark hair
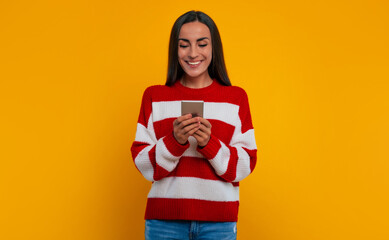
[217, 68]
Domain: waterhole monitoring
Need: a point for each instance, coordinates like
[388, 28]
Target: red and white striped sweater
[192, 183]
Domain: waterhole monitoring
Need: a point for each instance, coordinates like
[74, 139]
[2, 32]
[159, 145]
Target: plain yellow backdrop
[72, 75]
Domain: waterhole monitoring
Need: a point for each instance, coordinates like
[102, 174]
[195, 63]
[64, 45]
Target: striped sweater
[189, 182]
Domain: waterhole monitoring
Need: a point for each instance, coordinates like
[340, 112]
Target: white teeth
[194, 63]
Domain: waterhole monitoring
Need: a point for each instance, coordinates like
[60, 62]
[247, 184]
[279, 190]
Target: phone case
[196, 108]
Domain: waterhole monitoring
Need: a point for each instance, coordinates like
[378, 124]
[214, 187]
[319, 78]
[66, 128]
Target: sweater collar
[196, 91]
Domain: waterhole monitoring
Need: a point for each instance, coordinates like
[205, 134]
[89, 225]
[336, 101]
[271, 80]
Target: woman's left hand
[204, 133]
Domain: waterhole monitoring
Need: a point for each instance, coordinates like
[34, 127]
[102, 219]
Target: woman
[195, 163]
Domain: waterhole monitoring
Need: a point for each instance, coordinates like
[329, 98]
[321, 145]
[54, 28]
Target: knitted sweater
[189, 182]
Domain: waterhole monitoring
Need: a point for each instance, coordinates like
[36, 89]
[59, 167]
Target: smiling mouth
[193, 64]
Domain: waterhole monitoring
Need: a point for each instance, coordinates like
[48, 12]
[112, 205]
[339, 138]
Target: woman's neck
[199, 82]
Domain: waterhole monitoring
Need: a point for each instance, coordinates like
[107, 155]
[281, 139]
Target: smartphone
[196, 108]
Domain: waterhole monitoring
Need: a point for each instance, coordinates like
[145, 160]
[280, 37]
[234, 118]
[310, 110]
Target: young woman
[195, 163]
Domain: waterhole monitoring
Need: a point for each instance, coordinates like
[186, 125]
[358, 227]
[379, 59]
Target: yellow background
[72, 76]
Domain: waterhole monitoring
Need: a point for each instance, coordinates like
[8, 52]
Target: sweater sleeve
[154, 158]
[236, 160]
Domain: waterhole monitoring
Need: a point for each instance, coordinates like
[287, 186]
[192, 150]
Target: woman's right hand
[185, 126]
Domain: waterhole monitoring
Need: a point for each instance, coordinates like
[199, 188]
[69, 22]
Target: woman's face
[195, 49]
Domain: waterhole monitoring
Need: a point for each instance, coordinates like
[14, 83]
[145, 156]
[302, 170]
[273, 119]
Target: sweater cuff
[210, 150]
[174, 147]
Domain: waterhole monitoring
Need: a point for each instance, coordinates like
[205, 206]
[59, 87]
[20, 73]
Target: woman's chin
[192, 74]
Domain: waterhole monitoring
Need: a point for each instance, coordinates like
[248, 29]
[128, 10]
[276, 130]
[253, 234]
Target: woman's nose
[193, 52]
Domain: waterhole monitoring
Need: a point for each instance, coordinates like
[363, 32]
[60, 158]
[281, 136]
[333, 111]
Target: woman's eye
[184, 46]
[203, 45]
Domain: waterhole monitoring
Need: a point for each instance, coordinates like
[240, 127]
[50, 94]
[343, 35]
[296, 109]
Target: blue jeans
[189, 230]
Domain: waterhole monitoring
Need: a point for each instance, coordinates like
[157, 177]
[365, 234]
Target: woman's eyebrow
[198, 40]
